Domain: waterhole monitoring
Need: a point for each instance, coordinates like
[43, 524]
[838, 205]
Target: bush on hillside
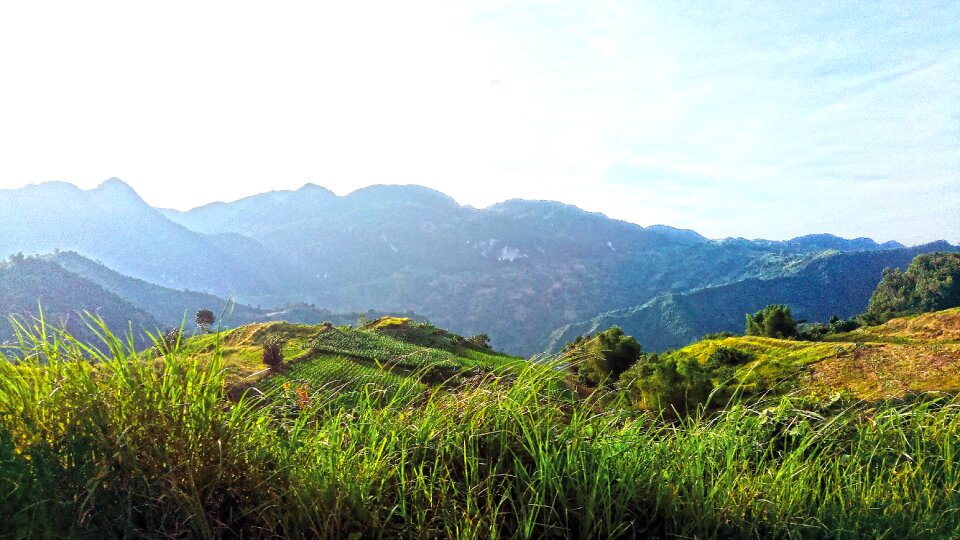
[774, 321]
[273, 352]
[819, 331]
[671, 383]
[480, 340]
[728, 356]
[603, 358]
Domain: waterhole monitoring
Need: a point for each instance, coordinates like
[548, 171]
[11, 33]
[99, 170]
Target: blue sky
[755, 119]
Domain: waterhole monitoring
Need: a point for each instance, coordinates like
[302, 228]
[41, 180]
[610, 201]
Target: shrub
[603, 358]
[728, 356]
[480, 340]
[273, 352]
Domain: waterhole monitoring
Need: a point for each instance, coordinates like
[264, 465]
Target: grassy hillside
[901, 357]
[391, 346]
[341, 446]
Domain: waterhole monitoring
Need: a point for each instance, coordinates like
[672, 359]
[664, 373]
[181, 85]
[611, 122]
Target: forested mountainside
[27, 284]
[67, 284]
[833, 283]
[517, 270]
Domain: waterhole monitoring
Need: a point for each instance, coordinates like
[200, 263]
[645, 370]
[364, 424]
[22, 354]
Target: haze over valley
[522, 271]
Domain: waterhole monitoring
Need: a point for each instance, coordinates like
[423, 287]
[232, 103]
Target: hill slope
[28, 283]
[386, 351]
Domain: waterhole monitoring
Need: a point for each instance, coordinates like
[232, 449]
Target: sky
[753, 119]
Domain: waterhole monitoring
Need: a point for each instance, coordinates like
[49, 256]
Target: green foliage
[673, 383]
[930, 283]
[480, 340]
[718, 335]
[604, 357]
[728, 356]
[773, 321]
[168, 341]
[820, 331]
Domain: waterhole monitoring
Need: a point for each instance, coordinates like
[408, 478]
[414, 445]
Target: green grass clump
[120, 443]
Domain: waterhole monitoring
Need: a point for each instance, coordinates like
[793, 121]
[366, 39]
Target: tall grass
[112, 442]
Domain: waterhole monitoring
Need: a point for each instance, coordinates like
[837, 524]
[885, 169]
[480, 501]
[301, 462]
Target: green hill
[386, 350]
[353, 439]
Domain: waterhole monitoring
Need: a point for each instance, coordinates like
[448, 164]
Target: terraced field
[372, 346]
[392, 358]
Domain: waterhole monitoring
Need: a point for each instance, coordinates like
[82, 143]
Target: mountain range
[832, 283]
[518, 270]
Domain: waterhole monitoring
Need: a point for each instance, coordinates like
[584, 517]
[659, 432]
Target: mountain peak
[390, 194]
[313, 189]
[119, 190]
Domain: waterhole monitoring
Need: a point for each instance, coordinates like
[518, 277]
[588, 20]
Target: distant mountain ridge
[517, 270]
[111, 223]
[834, 283]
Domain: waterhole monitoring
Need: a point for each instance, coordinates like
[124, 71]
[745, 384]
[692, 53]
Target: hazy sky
[754, 119]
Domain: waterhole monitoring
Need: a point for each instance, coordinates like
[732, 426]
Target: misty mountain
[819, 242]
[832, 283]
[170, 307]
[517, 270]
[112, 224]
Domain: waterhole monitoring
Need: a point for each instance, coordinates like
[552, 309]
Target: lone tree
[204, 318]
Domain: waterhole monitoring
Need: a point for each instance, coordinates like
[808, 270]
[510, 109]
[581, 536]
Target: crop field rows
[382, 349]
[341, 380]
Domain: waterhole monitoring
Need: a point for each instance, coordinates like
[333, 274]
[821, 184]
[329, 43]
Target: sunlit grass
[122, 443]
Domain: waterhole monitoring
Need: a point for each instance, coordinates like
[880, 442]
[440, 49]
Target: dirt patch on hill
[884, 370]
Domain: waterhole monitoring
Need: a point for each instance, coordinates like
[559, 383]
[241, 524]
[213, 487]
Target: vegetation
[601, 359]
[773, 321]
[273, 352]
[930, 283]
[480, 340]
[116, 443]
[204, 318]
